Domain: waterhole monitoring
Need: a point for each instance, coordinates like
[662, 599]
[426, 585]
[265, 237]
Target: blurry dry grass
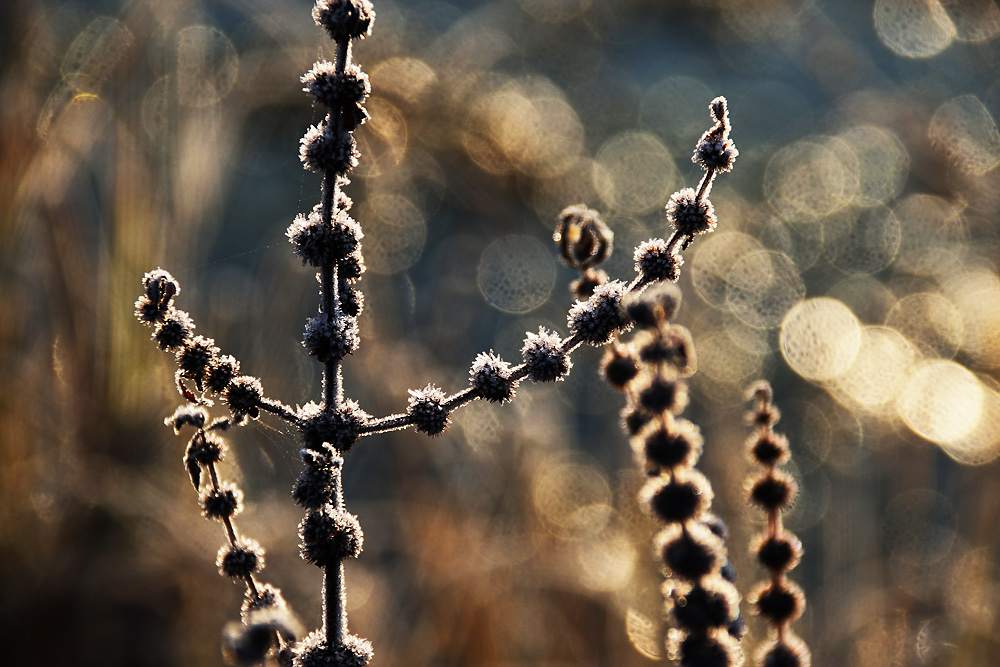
[163, 133]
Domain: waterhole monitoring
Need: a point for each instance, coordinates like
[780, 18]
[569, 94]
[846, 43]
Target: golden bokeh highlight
[572, 498]
[936, 237]
[942, 401]
[605, 564]
[883, 162]
[811, 179]
[762, 286]
[634, 173]
[524, 126]
[967, 133]
[713, 259]
[820, 339]
[383, 141]
[879, 372]
[914, 28]
[409, 80]
[975, 293]
[930, 322]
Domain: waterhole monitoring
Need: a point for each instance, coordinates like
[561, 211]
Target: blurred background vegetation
[855, 265]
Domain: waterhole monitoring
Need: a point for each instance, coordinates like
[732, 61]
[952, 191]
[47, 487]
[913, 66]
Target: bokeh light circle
[820, 339]
[879, 371]
[712, 260]
[762, 287]
[967, 133]
[930, 322]
[810, 179]
[206, 66]
[395, 233]
[942, 401]
[634, 173]
[882, 161]
[862, 240]
[516, 274]
[913, 28]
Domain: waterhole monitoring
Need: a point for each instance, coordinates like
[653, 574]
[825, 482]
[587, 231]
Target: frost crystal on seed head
[490, 378]
[544, 357]
[690, 215]
[427, 411]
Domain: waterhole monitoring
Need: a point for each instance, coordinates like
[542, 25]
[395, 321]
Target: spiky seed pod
[633, 419]
[243, 397]
[204, 449]
[667, 444]
[328, 535]
[716, 649]
[768, 448]
[340, 429]
[777, 553]
[314, 487]
[316, 242]
[774, 491]
[351, 268]
[690, 215]
[619, 367]
[780, 602]
[345, 91]
[344, 19]
[323, 150]
[656, 261]
[598, 318]
[673, 346]
[788, 651]
[427, 410]
[160, 287]
[490, 378]
[661, 392]
[268, 597]
[544, 358]
[150, 312]
[584, 239]
[710, 603]
[222, 503]
[194, 359]
[683, 496]
[221, 372]
[352, 301]
[240, 560]
[174, 330]
[332, 337]
[314, 651]
[690, 551]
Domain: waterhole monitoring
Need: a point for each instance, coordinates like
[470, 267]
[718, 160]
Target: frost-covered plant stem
[329, 240]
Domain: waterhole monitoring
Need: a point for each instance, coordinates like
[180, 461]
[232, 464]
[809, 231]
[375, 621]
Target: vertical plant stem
[334, 594]
[334, 608]
[332, 377]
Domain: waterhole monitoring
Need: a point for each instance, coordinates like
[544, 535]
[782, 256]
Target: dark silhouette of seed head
[427, 410]
[240, 560]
